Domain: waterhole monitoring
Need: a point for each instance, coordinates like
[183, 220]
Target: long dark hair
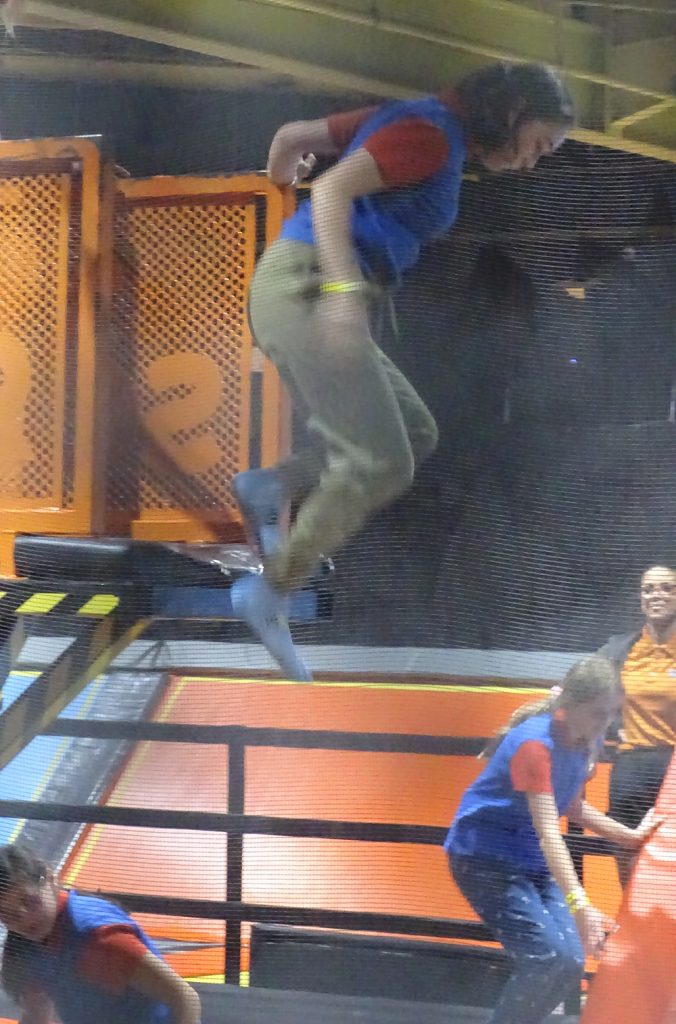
[499, 98]
[17, 865]
[586, 680]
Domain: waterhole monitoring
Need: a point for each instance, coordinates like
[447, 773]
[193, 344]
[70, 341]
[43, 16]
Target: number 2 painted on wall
[176, 415]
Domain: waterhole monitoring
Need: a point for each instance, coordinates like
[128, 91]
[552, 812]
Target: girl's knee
[375, 482]
[371, 478]
[398, 472]
[426, 441]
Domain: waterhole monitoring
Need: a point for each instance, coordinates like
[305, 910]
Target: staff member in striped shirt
[647, 662]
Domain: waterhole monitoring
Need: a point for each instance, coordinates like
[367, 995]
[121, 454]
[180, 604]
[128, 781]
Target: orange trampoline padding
[197, 963]
[433, 709]
[635, 980]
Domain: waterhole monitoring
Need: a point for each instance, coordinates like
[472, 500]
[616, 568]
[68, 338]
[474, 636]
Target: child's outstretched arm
[155, 979]
[591, 923]
[584, 814]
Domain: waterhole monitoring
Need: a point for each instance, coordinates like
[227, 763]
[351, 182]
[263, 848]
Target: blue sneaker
[266, 612]
[260, 497]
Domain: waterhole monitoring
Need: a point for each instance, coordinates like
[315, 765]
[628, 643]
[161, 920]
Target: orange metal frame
[57, 463]
[79, 305]
[180, 523]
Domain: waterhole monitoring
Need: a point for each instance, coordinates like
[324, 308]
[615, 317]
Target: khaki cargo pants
[373, 427]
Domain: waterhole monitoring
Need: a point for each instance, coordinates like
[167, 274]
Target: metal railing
[236, 824]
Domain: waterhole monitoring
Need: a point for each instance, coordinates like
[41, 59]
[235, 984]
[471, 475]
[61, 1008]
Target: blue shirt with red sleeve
[420, 148]
[494, 818]
[85, 964]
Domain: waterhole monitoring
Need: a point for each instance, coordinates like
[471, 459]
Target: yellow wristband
[342, 287]
[577, 900]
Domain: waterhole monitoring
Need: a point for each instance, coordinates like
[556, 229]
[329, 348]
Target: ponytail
[535, 707]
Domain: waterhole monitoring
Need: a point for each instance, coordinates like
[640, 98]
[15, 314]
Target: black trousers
[635, 782]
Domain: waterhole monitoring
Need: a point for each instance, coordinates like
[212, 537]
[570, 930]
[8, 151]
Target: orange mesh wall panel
[52, 412]
[185, 250]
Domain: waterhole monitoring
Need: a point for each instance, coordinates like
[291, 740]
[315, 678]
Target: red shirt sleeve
[531, 768]
[344, 127]
[110, 956]
[406, 151]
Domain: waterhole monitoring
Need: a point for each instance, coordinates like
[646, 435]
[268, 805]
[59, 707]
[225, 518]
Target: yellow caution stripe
[40, 604]
[94, 605]
[100, 604]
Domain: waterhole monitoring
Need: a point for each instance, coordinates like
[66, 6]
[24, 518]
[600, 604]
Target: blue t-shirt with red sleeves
[420, 149]
[494, 818]
[81, 966]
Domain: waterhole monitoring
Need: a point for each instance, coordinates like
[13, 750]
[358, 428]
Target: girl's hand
[304, 168]
[292, 151]
[650, 824]
[594, 927]
[292, 168]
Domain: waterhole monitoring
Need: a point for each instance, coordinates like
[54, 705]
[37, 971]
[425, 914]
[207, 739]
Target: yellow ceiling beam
[163, 74]
[654, 126]
[625, 144]
[388, 48]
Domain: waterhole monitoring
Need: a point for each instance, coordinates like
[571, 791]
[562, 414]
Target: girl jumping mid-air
[505, 847]
[394, 185]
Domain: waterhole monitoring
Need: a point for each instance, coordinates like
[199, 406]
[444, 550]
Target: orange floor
[404, 788]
